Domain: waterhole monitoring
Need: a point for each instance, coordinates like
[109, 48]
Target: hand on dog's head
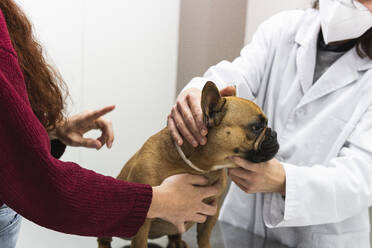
[237, 127]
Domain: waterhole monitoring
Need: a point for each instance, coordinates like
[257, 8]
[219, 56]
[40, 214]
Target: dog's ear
[212, 105]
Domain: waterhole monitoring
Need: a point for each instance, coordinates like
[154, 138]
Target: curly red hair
[45, 86]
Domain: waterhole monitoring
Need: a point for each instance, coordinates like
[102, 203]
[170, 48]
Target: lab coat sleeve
[246, 71]
[329, 193]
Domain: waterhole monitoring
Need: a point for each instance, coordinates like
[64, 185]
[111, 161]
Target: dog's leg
[175, 241]
[104, 242]
[204, 231]
[140, 240]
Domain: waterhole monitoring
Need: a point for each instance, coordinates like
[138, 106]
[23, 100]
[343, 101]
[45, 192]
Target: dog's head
[236, 127]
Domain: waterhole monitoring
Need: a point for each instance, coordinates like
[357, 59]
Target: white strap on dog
[186, 160]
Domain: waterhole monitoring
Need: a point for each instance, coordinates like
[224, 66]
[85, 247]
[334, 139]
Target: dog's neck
[193, 158]
[187, 161]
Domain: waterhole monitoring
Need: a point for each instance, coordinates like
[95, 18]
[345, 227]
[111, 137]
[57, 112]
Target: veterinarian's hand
[71, 132]
[178, 200]
[259, 177]
[186, 117]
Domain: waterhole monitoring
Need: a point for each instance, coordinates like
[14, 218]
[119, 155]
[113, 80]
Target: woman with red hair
[61, 195]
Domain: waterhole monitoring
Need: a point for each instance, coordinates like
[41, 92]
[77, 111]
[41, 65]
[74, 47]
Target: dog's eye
[257, 128]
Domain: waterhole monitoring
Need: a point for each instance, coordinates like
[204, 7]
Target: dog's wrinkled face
[237, 127]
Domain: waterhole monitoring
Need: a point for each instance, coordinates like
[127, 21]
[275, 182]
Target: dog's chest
[214, 176]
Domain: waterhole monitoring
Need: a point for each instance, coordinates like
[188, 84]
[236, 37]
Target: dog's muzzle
[266, 149]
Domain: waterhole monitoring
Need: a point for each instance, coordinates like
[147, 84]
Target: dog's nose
[267, 149]
[270, 144]
[274, 134]
[270, 135]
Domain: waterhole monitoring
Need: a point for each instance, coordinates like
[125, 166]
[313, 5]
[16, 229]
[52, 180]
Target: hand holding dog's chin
[267, 177]
[177, 200]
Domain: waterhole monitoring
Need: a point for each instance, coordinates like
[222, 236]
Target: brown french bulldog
[237, 127]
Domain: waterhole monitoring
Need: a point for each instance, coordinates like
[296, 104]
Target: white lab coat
[325, 133]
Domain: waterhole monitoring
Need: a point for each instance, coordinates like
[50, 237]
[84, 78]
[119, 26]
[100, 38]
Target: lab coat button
[300, 112]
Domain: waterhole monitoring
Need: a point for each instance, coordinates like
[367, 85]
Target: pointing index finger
[98, 113]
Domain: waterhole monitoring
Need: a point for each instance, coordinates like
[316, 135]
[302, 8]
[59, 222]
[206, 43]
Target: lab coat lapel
[306, 55]
[342, 73]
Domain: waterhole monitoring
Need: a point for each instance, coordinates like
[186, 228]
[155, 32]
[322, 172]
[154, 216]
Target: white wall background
[119, 52]
[259, 10]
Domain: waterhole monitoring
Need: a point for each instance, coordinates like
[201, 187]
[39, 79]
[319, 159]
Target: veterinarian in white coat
[322, 111]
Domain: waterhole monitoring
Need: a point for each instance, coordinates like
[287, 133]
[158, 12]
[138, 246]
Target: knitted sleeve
[58, 195]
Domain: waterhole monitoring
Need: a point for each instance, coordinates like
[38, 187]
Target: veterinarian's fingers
[90, 143]
[182, 128]
[107, 131]
[174, 132]
[245, 164]
[195, 180]
[188, 118]
[197, 112]
[241, 187]
[228, 91]
[239, 183]
[246, 186]
[98, 113]
[242, 173]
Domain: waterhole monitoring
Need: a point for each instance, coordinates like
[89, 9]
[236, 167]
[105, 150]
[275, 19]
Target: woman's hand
[71, 132]
[186, 117]
[179, 199]
[259, 177]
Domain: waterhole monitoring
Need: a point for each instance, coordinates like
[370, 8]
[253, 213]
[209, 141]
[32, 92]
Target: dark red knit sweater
[58, 195]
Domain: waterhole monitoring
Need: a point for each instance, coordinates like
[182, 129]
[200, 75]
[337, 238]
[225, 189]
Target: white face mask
[343, 19]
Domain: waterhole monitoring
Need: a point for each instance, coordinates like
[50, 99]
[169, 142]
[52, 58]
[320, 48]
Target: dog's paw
[177, 244]
[104, 246]
[104, 242]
